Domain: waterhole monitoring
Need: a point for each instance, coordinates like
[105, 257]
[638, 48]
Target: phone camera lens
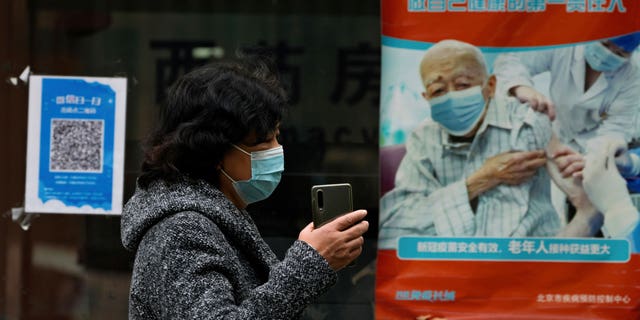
[320, 199]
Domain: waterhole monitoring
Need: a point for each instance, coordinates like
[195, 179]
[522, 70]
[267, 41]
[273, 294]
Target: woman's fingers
[346, 221]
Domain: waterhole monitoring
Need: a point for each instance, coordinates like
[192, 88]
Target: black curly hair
[206, 111]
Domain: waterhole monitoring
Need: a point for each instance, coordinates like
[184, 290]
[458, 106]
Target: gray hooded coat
[199, 257]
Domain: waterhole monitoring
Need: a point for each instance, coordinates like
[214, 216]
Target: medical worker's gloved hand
[607, 190]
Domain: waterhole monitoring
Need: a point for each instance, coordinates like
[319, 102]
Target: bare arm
[585, 223]
[564, 167]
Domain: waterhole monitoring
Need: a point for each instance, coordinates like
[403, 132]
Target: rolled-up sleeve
[538, 130]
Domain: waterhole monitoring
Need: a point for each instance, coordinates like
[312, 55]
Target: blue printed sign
[75, 145]
[514, 249]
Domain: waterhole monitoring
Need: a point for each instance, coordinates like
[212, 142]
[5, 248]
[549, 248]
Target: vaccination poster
[75, 150]
[516, 249]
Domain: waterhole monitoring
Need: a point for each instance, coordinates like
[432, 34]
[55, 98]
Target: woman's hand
[339, 241]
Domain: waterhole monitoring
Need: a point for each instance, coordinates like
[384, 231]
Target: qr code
[76, 145]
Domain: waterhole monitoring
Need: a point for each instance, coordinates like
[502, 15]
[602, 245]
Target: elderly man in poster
[478, 169]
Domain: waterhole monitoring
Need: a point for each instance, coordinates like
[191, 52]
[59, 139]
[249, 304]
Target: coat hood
[161, 199]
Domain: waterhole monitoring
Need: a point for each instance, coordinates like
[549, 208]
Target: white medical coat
[609, 107]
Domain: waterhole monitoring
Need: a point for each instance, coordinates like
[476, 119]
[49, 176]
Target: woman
[199, 254]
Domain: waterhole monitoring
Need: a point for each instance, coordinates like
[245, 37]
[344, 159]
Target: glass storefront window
[328, 54]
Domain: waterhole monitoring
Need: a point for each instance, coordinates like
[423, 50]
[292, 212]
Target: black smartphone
[329, 201]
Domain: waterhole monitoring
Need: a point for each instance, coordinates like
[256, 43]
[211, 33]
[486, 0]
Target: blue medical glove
[628, 163]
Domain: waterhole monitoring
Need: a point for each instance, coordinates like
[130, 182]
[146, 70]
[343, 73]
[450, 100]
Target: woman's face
[238, 164]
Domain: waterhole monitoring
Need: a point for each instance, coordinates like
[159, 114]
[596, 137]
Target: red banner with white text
[451, 247]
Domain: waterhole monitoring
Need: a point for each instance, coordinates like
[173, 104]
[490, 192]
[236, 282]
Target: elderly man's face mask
[456, 87]
[458, 112]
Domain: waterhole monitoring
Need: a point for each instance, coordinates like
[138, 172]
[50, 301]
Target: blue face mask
[266, 169]
[600, 58]
[458, 112]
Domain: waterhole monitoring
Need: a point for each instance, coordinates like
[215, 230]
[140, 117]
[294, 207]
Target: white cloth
[609, 107]
[430, 197]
